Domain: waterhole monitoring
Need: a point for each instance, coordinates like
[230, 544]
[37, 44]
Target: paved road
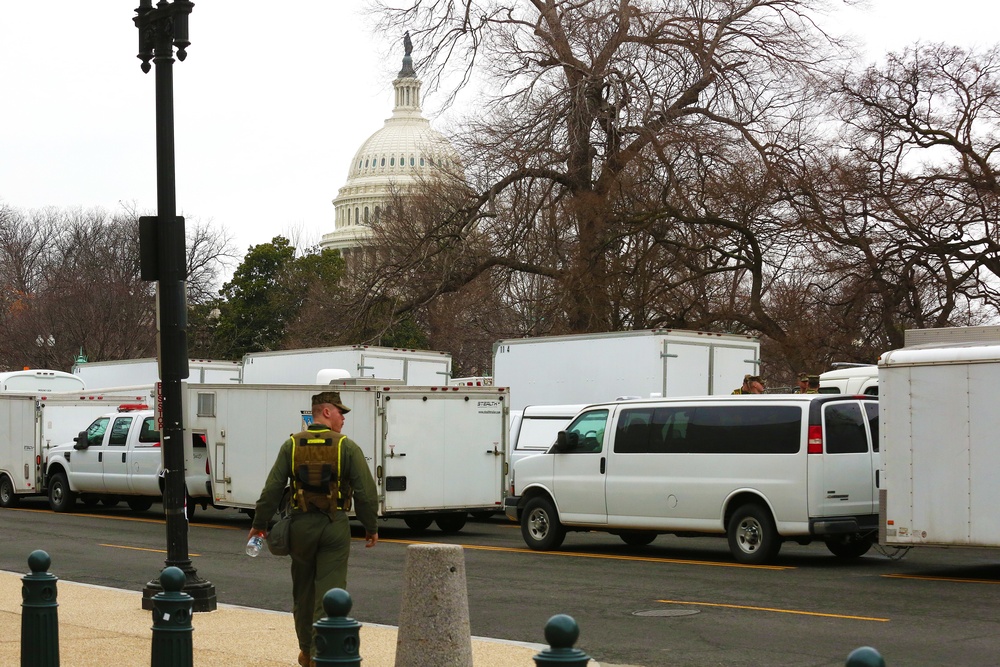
[677, 602]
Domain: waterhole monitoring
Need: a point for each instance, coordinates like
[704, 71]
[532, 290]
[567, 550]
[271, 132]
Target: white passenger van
[758, 469]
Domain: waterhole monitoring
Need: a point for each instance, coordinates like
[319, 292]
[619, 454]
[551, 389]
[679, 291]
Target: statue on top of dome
[407, 72]
[407, 44]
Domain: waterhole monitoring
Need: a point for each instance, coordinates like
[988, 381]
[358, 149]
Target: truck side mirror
[81, 441]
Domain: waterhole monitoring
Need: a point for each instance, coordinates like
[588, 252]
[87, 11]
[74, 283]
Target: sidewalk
[102, 627]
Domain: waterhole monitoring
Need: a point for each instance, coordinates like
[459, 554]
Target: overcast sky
[270, 105]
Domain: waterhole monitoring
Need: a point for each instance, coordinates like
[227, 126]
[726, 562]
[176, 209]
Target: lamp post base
[200, 589]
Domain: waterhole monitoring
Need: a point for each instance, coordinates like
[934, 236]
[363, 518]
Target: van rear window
[730, 429]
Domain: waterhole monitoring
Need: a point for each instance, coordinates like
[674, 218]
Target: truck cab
[119, 456]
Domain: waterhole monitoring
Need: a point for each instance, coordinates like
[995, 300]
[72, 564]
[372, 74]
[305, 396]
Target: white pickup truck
[118, 457]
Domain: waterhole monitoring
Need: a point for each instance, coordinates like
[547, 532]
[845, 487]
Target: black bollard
[337, 636]
[865, 656]
[39, 614]
[172, 646]
[561, 632]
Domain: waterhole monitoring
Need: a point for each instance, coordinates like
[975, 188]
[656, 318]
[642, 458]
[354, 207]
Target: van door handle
[876, 479]
[123, 457]
[603, 463]
[100, 457]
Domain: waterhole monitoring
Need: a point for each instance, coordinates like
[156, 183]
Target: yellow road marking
[122, 518]
[778, 611]
[641, 559]
[155, 551]
[957, 580]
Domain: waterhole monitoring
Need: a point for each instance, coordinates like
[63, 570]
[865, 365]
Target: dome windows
[392, 162]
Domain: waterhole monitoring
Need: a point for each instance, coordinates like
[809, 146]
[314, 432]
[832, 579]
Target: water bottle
[254, 546]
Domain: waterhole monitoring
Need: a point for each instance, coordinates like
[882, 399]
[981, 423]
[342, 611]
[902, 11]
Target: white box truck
[32, 424]
[940, 460]
[301, 367]
[40, 380]
[592, 368]
[131, 372]
[437, 453]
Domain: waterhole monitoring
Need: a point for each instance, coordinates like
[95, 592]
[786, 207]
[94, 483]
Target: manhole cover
[667, 612]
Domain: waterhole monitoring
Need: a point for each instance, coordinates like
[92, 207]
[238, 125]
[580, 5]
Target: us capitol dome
[395, 158]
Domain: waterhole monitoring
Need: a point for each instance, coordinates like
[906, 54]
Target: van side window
[119, 431]
[589, 429]
[845, 429]
[871, 410]
[745, 429]
[633, 431]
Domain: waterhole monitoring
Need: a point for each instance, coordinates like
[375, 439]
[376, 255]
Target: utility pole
[163, 259]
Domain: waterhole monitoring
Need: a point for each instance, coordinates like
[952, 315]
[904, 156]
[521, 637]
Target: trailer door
[442, 451]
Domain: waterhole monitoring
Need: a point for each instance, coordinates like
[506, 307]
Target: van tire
[61, 497]
[637, 538]
[7, 496]
[139, 503]
[753, 539]
[540, 525]
[848, 546]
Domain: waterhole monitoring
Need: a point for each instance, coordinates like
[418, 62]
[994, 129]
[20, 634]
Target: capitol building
[392, 160]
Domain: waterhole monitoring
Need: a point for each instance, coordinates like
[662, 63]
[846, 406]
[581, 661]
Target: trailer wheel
[418, 522]
[848, 546]
[451, 523]
[637, 538]
[540, 525]
[61, 497]
[139, 503]
[7, 496]
[753, 538]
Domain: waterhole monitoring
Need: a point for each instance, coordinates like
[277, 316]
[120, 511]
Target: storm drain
[667, 612]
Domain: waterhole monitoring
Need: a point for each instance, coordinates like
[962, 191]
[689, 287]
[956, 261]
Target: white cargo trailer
[592, 368]
[437, 453]
[940, 460]
[413, 367]
[131, 372]
[31, 424]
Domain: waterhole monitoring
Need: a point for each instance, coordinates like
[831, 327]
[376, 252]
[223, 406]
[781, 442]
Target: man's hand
[254, 531]
[371, 539]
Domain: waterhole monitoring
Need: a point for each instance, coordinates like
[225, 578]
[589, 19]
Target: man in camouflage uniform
[813, 384]
[752, 384]
[803, 383]
[326, 471]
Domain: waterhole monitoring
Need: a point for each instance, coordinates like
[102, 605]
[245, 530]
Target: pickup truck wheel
[418, 522]
[451, 523]
[540, 525]
[7, 496]
[848, 546]
[753, 539]
[61, 497]
[139, 503]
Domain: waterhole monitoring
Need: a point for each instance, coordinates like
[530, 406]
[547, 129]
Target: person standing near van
[803, 383]
[813, 385]
[752, 384]
[326, 470]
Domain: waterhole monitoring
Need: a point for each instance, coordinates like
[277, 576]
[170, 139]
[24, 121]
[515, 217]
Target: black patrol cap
[331, 397]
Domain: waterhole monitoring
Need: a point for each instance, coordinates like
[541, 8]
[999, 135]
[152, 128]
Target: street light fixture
[163, 259]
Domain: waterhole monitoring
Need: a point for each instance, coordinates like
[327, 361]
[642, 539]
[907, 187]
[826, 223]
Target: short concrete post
[39, 614]
[172, 641]
[434, 615]
[338, 638]
[865, 656]
[561, 632]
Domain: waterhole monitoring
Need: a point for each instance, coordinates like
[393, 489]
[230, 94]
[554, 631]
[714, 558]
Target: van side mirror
[566, 441]
[81, 441]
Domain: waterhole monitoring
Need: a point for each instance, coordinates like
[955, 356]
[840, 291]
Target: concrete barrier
[434, 612]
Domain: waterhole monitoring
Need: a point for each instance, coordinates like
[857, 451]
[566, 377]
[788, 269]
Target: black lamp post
[163, 259]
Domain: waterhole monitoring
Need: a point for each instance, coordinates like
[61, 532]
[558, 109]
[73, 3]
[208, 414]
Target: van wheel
[848, 546]
[451, 523]
[753, 538]
[540, 525]
[7, 496]
[637, 538]
[139, 503]
[90, 500]
[418, 522]
[61, 497]
[110, 501]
